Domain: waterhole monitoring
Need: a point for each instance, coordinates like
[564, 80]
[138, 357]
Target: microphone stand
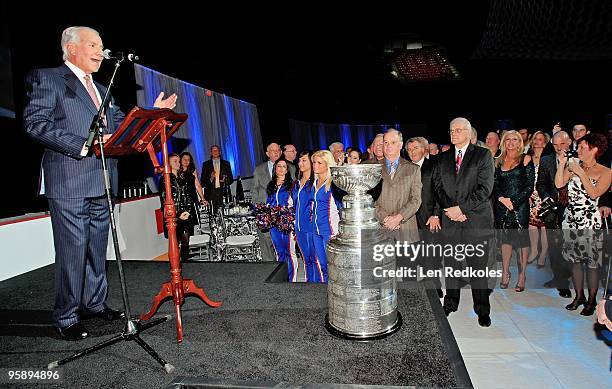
[97, 123]
[132, 327]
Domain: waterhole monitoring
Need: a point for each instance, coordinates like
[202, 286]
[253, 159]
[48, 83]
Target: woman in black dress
[194, 188]
[181, 184]
[514, 178]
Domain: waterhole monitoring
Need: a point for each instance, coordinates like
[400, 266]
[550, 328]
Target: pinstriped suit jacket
[58, 112]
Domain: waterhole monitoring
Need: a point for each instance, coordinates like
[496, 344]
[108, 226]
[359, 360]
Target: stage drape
[214, 118]
[318, 136]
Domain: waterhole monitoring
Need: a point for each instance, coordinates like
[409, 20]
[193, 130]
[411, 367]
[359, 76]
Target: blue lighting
[246, 113]
[231, 145]
[361, 139]
[323, 144]
[213, 118]
[345, 135]
[194, 123]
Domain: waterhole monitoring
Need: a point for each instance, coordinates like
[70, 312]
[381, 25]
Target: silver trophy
[360, 305]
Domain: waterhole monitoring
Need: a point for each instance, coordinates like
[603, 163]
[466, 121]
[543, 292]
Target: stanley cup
[360, 306]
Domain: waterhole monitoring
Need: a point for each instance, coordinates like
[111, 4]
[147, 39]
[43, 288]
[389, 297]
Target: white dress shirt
[463, 150]
[81, 76]
[217, 170]
[270, 167]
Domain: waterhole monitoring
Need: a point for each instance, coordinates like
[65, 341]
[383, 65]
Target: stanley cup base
[363, 338]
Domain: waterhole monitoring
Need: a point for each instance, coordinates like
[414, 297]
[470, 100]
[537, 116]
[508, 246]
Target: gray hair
[399, 134]
[270, 145]
[71, 35]
[420, 140]
[331, 147]
[562, 134]
[464, 121]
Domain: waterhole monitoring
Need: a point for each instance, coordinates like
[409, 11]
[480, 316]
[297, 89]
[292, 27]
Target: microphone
[108, 54]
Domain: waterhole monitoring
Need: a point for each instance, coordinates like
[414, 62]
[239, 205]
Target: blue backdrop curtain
[214, 119]
[318, 136]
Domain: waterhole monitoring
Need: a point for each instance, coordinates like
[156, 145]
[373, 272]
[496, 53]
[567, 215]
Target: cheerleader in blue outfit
[324, 210]
[279, 193]
[303, 191]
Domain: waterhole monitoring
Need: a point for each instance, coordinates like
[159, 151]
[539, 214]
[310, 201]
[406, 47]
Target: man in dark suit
[463, 184]
[216, 175]
[60, 105]
[428, 215]
[578, 131]
[546, 188]
[290, 153]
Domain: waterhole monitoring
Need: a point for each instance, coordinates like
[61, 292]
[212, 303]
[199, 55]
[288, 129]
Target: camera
[571, 154]
[547, 206]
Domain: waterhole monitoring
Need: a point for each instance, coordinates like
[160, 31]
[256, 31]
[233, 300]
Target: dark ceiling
[318, 65]
[533, 63]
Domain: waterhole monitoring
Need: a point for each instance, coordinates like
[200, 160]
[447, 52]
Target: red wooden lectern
[149, 130]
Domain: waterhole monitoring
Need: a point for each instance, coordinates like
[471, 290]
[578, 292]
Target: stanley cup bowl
[356, 178]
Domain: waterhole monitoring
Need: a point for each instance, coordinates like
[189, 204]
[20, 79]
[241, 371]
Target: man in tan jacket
[400, 198]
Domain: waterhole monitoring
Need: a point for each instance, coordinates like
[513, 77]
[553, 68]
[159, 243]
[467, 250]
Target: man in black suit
[546, 188]
[216, 175]
[428, 215]
[463, 184]
[290, 153]
[578, 131]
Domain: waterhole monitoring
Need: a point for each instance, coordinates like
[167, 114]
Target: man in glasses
[463, 184]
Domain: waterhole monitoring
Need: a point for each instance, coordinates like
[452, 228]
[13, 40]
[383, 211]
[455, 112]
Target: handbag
[509, 223]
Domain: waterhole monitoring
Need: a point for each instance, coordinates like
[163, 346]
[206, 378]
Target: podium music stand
[149, 130]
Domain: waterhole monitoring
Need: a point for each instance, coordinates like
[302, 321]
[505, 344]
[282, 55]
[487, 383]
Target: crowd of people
[544, 197]
[549, 195]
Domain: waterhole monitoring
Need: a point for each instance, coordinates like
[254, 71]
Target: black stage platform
[266, 334]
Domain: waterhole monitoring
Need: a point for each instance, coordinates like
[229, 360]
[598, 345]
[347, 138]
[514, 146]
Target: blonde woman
[325, 215]
[513, 184]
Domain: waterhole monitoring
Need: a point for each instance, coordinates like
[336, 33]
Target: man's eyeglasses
[456, 130]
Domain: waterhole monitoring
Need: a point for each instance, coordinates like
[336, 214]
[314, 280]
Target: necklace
[588, 167]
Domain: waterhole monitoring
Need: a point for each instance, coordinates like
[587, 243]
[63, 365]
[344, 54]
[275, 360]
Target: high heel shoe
[519, 288]
[589, 308]
[504, 285]
[522, 276]
[578, 301]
